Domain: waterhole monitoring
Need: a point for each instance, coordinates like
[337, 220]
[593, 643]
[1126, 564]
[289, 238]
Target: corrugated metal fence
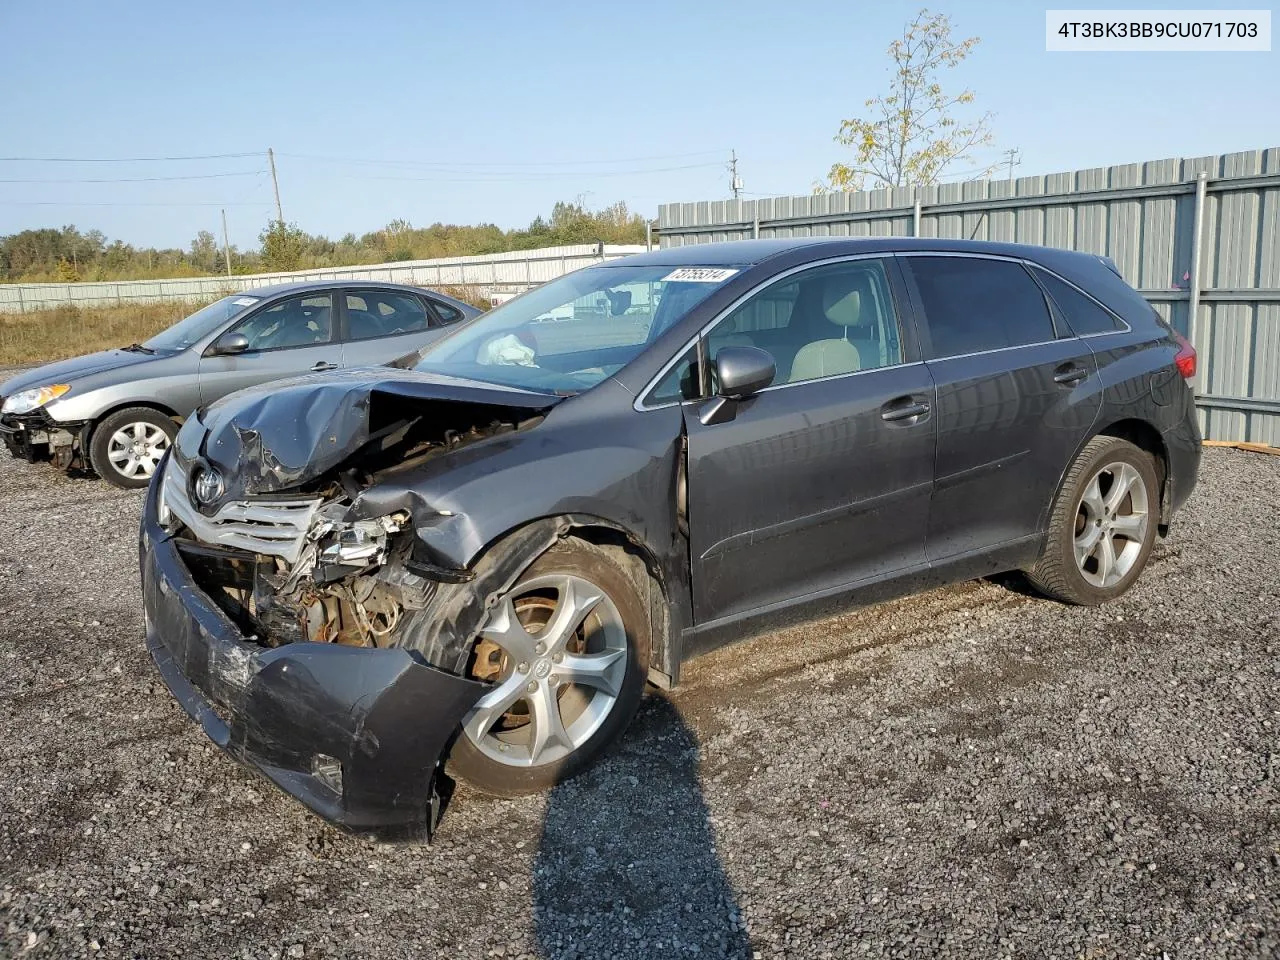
[1150, 218]
[512, 272]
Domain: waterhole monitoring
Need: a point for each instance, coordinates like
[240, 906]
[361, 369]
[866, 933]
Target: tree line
[71, 255]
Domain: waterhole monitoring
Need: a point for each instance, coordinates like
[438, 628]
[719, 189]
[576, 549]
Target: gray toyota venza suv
[478, 557]
[117, 410]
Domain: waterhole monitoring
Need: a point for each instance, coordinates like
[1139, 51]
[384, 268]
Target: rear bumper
[385, 715]
[1183, 444]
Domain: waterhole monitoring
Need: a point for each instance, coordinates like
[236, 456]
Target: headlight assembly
[27, 400]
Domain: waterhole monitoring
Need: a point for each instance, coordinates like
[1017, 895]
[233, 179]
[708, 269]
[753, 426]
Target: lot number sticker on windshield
[245, 301]
[699, 275]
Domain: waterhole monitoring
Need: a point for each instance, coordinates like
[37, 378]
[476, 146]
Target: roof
[741, 253]
[303, 286]
[300, 286]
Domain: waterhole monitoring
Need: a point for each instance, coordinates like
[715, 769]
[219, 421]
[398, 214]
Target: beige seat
[842, 302]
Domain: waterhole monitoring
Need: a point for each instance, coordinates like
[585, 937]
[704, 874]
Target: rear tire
[564, 686]
[126, 447]
[1102, 525]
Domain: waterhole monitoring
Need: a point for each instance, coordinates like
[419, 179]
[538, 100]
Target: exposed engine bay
[349, 586]
[297, 564]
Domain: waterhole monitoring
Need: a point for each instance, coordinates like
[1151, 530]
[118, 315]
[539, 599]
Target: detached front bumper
[289, 712]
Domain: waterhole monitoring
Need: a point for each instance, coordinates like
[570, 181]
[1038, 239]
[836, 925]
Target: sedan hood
[68, 371]
[283, 434]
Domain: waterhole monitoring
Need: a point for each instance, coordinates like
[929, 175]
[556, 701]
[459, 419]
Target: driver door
[286, 337]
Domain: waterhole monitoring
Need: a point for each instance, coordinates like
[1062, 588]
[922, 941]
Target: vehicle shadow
[627, 863]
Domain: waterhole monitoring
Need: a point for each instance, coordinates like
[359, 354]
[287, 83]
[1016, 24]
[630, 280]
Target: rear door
[823, 479]
[287, 337]
[381, 325]
[1016, 397]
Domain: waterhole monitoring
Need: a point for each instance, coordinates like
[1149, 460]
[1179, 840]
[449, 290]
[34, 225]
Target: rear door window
[382, 313]
[1083, 314]
[974, 304]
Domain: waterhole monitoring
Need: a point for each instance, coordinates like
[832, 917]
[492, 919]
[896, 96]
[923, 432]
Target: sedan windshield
[572, 333]
[200, 324]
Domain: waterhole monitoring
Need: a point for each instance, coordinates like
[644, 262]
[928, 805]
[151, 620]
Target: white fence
[500, 273]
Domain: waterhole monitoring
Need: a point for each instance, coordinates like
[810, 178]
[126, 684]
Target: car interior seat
[848, 304]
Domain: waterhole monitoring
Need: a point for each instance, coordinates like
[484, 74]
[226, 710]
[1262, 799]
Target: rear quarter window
[1083, 314]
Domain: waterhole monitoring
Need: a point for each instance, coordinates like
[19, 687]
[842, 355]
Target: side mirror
[229, 344]
[619, 301]
[743, 371]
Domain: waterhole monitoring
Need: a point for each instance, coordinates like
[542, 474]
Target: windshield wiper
[137, 348]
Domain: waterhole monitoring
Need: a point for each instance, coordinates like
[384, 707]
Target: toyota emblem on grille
[207, 485]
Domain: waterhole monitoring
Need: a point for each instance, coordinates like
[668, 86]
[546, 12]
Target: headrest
[842, 301]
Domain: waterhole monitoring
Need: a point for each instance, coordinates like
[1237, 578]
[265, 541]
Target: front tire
[566, 651]
[126, 447]
[1102, 525]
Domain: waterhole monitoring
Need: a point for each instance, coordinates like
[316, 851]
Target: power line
[207, 156]
[522, 178]
[470, 164]
[113, 203]
[194, 176]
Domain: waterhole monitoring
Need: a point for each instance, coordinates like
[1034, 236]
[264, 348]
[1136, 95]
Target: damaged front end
[322, 647]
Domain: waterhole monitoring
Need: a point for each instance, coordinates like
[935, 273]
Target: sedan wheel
[126, 447]
[136, 448]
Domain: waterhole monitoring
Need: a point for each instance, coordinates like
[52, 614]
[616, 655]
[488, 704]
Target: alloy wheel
[556, 650]
[1111, 524]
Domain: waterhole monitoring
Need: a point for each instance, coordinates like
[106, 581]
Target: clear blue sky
[508, 100]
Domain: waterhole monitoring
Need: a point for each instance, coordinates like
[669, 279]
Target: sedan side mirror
[743, 371]
[229, 344]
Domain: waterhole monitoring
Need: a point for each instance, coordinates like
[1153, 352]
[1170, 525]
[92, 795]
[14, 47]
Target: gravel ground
[969, 773]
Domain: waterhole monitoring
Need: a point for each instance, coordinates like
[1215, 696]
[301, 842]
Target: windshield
[200, 324]
[567, 336]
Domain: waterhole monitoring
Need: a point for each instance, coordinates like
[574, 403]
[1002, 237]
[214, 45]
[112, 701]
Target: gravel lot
[971, 773]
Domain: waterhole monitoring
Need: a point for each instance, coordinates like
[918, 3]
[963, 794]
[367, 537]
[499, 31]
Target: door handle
[323, 365]
[1070, 374]
[904, 408]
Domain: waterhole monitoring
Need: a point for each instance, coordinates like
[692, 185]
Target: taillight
[1185, 358]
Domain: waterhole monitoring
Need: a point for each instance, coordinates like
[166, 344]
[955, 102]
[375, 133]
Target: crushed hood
[69, 371]
[286, 433]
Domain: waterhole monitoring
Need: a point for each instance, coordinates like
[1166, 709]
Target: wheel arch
[86, 433]
[1144, 435]
[646, 568]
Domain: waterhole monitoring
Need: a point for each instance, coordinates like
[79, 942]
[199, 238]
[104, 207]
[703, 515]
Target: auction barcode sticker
[699, 275]
[1157, 30]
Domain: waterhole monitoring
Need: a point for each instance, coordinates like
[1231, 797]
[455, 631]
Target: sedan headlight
[27, 400]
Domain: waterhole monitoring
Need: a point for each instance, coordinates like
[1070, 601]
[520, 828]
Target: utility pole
[735, 182]
[1013, 153]
[226, 244]
[275, 185]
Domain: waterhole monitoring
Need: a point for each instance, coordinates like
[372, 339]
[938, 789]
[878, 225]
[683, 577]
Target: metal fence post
[1197, 241]
[755, 227]
[915, 214]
